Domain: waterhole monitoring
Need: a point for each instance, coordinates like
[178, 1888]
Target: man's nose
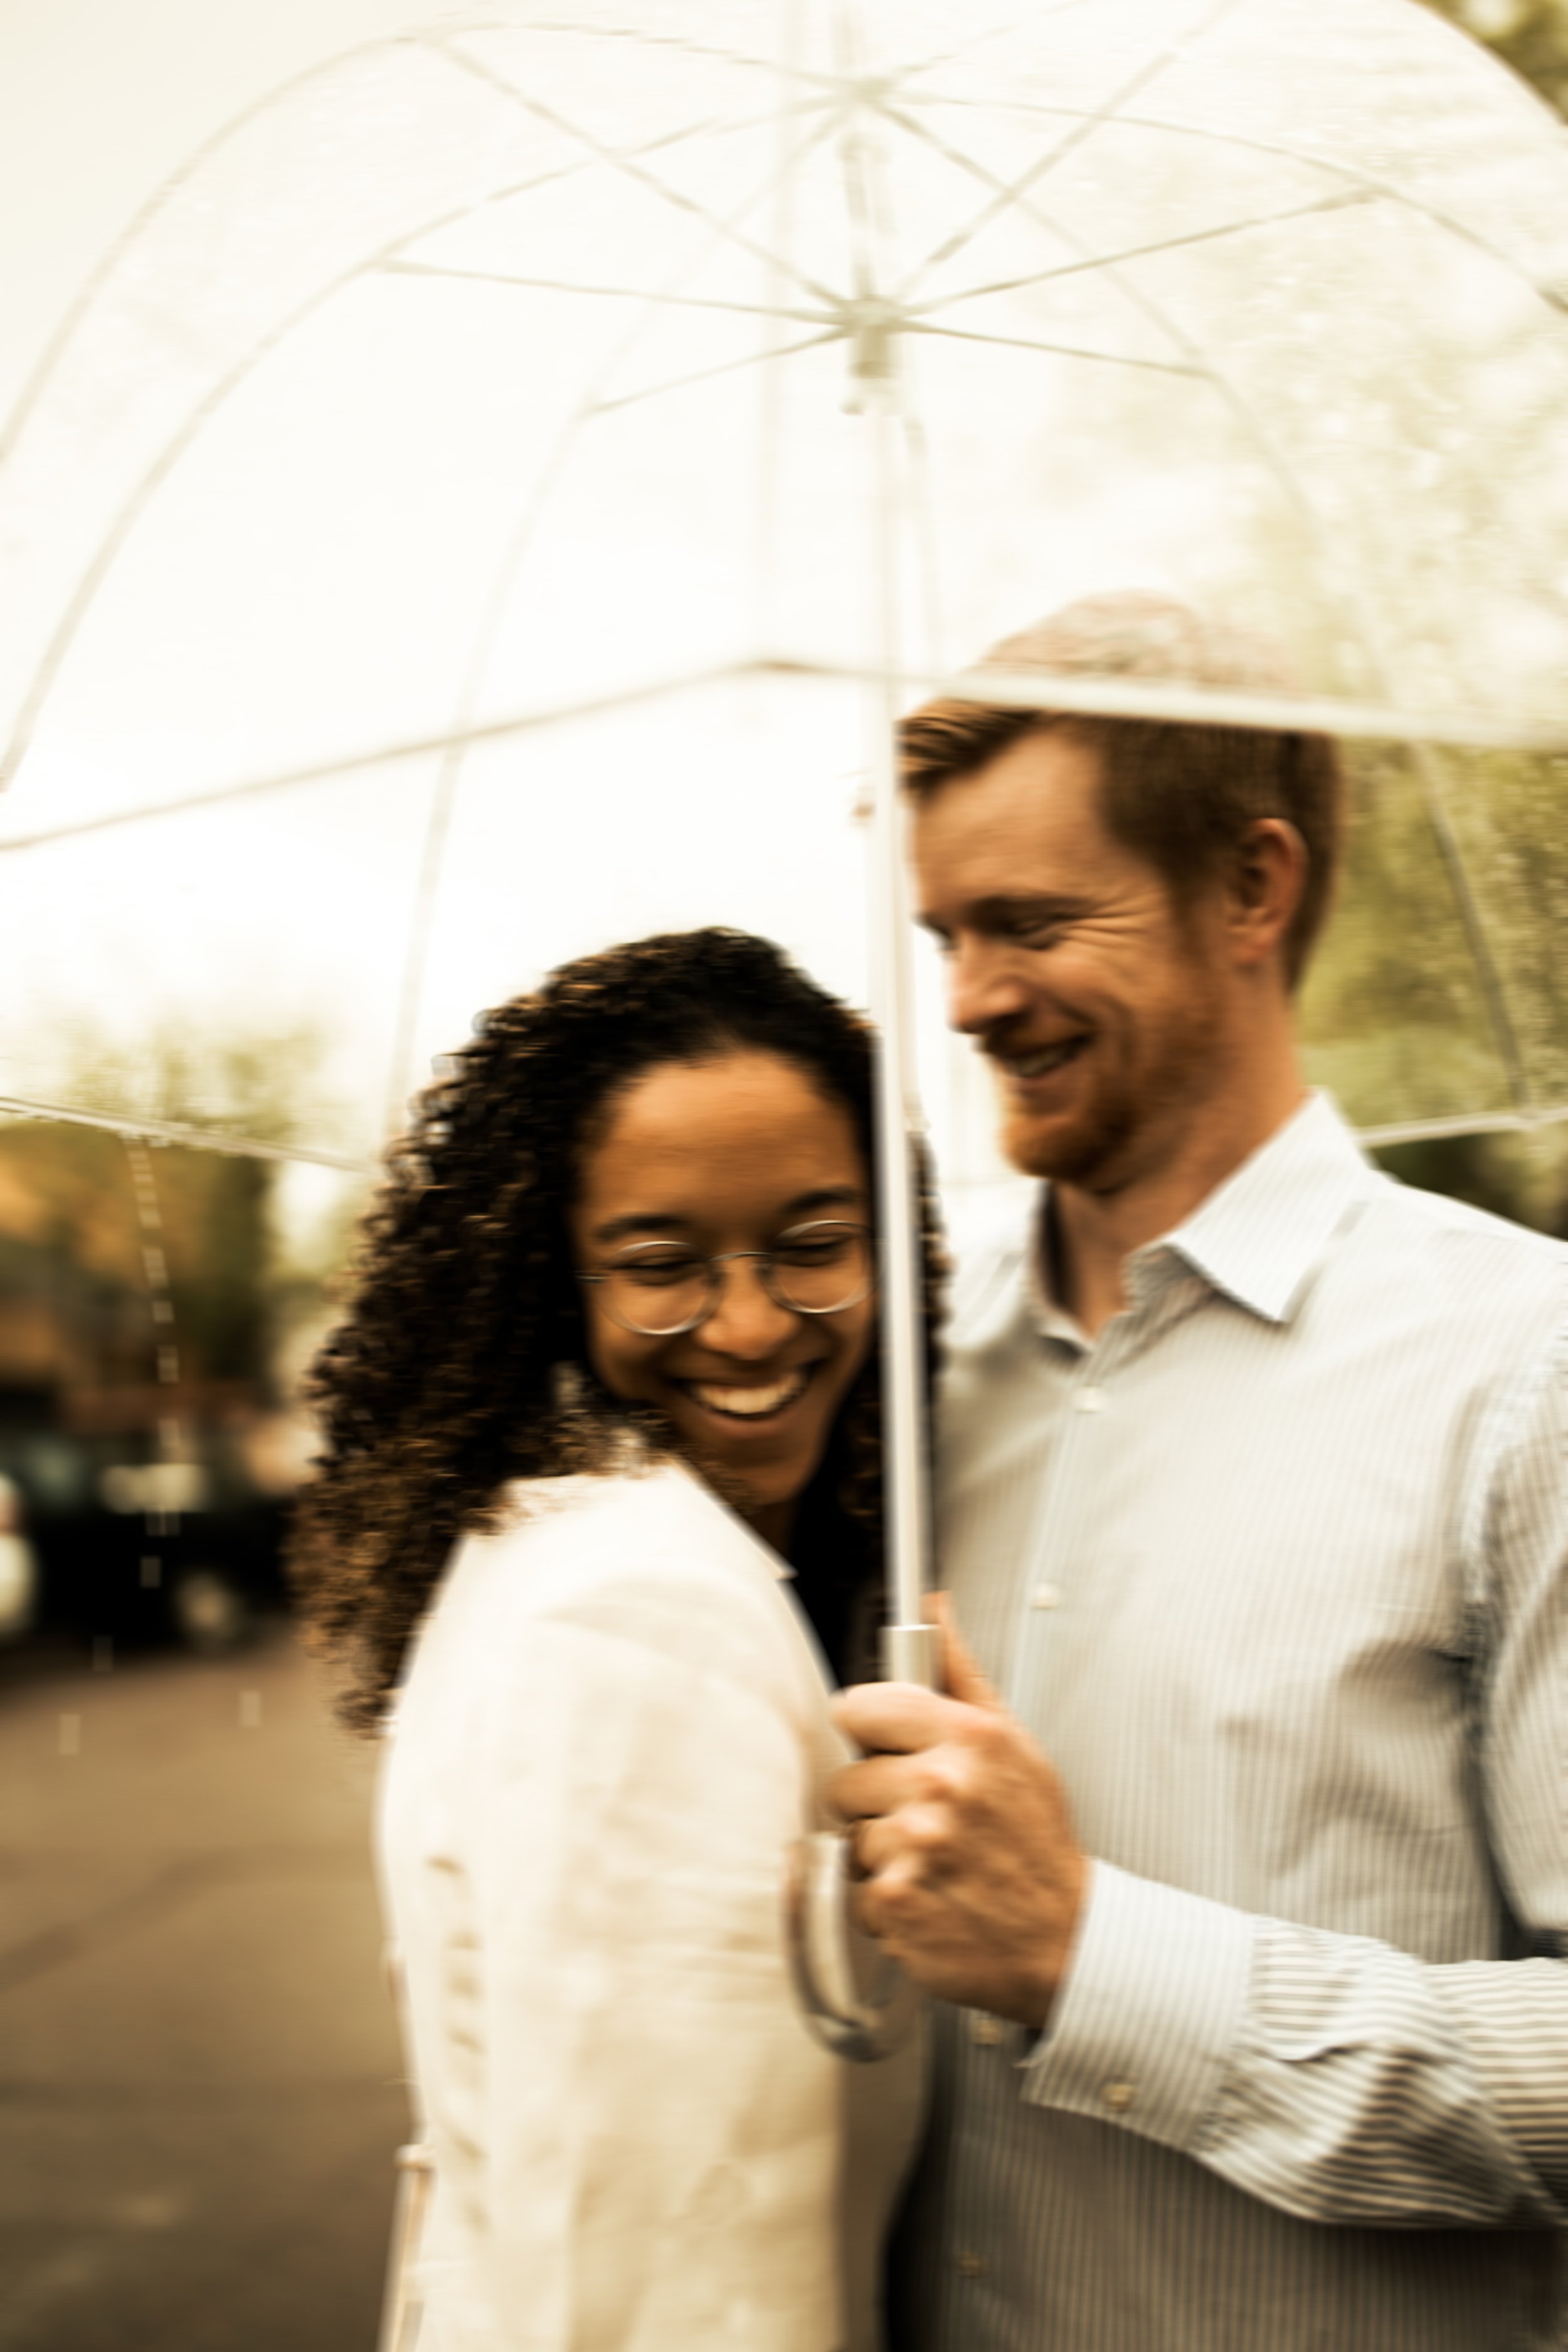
[747, 1321]
[983, 987]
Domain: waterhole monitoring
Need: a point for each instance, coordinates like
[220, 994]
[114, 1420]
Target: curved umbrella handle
[857, 2002]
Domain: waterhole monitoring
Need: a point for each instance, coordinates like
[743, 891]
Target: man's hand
[972, 1877]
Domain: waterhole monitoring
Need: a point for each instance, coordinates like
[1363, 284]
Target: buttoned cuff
[1150, 2013]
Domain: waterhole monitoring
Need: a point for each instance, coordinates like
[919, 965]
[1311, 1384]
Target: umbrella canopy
[455, 517]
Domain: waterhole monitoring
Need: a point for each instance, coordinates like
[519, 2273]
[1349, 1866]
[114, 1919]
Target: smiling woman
[601, 1485]
[749, 1317]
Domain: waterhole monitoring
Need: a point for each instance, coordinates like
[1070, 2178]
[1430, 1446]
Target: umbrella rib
[1373, 721]
[93, 574]
[1341, 202]
[1062, 350]
[719, 367]
[1494, 994]
[168, 187]
[624, 161]
[163, 1130]
[610, 293]
[1084, 127]
[1369, 183]
[356, 763]
[175, 181]
[1489, 980]
[201, 1138]
[1500, 1122]
[449, 774]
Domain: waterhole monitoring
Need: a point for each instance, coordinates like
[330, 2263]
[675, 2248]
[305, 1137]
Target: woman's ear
[1267, 877]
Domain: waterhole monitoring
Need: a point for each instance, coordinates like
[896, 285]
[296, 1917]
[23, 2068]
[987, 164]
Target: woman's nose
[747, 1320]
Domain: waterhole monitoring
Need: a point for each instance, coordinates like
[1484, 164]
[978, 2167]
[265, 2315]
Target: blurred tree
[76, 1231]
[1532, 36]
[1396, 1017]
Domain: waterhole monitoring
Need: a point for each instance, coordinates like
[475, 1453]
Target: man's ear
[1267, 876]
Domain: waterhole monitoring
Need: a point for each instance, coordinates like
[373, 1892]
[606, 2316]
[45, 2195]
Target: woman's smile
[710, 1190]
[764, 1405]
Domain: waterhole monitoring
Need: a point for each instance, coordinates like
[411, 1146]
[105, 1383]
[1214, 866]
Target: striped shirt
[1274, 1568]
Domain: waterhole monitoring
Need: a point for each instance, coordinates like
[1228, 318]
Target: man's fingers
[962, 1674]
[893, 1718]
[876, 1785]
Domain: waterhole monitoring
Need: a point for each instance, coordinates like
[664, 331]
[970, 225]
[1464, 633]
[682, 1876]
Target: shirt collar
[1261, 1236]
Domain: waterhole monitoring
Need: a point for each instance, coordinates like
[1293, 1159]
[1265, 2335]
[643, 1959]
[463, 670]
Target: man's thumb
[961, 1677]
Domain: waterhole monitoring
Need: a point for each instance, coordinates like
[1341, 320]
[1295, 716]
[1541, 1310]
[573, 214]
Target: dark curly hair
[460, 1362]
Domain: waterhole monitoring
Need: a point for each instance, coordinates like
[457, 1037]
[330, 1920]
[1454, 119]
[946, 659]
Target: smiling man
[1245, 1901]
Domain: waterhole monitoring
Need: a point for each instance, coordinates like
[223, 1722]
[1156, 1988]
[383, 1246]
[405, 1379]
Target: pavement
[200, 2086]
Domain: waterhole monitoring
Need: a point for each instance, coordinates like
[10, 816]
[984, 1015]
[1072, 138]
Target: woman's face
[707, 1158]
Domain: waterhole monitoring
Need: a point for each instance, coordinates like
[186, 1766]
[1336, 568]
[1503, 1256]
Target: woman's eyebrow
[615, 1229]
[826, 1196]
[823, 1196]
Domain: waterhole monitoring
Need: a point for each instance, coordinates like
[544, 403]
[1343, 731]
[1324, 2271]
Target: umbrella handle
[857, 2002]
[402, 2300]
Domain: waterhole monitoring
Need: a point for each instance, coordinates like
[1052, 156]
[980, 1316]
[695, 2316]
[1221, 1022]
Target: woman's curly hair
[460, 1363]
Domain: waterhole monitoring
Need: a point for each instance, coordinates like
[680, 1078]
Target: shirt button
[1090, 1400]
[1044, 1596]
[1118, 2098]
[969, 2264]
[986, 2031]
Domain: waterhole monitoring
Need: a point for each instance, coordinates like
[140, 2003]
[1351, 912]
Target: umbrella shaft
[899, 1120]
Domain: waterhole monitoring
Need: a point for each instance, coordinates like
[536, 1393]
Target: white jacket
[614, 1728]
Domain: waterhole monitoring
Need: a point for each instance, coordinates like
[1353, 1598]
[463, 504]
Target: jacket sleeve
[662, 2133]
[1334, 2076]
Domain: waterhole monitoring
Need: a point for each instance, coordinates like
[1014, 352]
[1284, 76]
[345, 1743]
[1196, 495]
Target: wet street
[199, 2094]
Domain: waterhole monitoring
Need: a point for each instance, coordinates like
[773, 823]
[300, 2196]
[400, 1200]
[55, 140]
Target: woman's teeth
[749, 1404]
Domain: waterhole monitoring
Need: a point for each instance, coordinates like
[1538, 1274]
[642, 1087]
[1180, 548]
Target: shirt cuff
[1151, 2011]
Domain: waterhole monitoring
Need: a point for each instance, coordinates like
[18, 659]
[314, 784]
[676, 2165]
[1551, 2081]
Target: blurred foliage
[1522, 1177]
[1397, 1018]
[1395, 998]
[1532, 36]
[73, 1235]
[258, 1089]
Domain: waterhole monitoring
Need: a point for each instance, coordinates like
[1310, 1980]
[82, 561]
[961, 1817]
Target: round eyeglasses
[660, 1289]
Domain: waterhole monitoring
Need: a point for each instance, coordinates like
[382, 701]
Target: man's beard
[1122, 1129]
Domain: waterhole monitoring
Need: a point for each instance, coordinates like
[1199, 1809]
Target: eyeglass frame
[715, 1281]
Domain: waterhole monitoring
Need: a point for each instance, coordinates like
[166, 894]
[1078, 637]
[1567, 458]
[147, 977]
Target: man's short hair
[1182, 795]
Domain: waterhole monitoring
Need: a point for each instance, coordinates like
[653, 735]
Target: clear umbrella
[501, 475]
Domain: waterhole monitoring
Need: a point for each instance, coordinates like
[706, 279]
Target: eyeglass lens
[661, 1287]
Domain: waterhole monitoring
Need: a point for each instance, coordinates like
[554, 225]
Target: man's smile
[1041, 1060]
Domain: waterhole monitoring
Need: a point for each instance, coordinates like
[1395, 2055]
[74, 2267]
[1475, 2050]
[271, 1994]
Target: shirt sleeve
[662, 2133]
[1335, 2077]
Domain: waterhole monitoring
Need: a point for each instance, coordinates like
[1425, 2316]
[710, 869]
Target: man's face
[1102, 1005]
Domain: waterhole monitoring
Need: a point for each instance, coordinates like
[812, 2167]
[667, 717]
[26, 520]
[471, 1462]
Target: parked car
[18, 1565]
[130, 1550]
